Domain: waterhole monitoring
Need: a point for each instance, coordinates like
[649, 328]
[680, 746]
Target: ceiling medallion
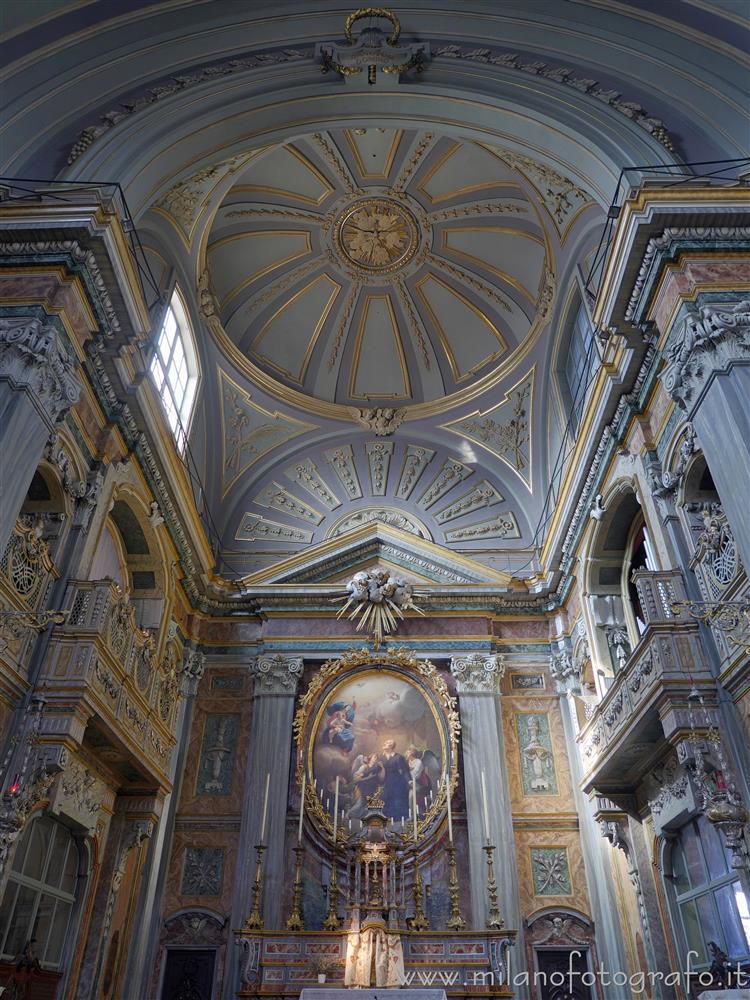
[376, 235]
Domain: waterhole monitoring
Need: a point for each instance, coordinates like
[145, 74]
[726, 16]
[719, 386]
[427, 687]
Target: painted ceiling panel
[379, 366]
[287, 340]
[469, 337]
[459, 169]
[513, 257]
[284, 173]
[238, 261]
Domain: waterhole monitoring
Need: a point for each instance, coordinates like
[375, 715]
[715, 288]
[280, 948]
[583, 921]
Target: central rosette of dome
[376, 235]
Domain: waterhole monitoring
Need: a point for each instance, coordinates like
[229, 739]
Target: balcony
[646, 708]
[102, 662]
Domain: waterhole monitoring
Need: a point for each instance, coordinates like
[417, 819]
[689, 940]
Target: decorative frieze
[415, 461]
[502, 526]
[379, 455]
[277, 674]
[306, 475]
[255, 526]
[483, 495]
[478, 673]
[450, 475]
[279, 498]
[341, 461]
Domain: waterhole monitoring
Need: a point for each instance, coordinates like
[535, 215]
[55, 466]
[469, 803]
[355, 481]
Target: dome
[379, 266]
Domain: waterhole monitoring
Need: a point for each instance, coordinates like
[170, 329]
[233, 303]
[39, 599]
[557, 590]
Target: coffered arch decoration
[384, 266]
[401, 698]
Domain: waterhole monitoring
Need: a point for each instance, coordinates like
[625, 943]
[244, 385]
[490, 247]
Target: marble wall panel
[212, 848]
[203, 871]
[216, 701]
[548, 792]
[217, 755]
[551, 870]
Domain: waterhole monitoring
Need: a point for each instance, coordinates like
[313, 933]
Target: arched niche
[144, 559]
[619, 544]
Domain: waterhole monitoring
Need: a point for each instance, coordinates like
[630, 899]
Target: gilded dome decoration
[380, 267]
[377, 234]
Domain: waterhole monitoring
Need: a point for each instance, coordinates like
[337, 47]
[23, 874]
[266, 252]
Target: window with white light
[174, 369]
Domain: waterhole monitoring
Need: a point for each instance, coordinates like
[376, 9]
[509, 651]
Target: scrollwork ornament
[277, 674]
[31, 357]
[478, 673]
[708, 340]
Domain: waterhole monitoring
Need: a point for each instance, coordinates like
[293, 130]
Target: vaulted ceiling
[378, 275]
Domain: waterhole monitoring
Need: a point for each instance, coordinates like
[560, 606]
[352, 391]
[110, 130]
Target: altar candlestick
[265, 809]
[414, 804]
[301, 807]
[336, 809]
[450, 812]
[484, 810]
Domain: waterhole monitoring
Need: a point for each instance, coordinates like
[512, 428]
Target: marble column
[276, 677]
[37, 388]
[483, 749]
[707, 373]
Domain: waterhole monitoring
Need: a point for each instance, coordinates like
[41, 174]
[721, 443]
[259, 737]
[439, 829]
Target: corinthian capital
[277, 674]
[708, 340]
[31, 358]
[477, 672]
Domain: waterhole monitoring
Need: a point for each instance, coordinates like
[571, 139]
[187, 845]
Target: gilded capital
[32, 358]
[477, 673]
[277, 674]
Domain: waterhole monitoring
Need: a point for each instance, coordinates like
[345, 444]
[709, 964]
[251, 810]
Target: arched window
[174, 368]
[709, 903]
[577, 360]
[41, 892]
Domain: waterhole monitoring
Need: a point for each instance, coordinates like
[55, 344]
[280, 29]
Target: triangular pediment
[420, 562]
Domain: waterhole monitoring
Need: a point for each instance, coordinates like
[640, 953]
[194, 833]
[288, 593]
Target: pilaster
[477, 678]
[276, 678]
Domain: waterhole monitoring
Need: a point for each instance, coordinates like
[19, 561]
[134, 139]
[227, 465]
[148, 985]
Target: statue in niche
[537, 758]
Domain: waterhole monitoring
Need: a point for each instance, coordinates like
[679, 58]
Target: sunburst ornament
[377, 601]
[378, 235]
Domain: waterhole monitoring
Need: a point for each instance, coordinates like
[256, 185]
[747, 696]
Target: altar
[334, 994]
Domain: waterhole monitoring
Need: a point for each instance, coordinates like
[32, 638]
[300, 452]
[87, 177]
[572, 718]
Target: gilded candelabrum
[456, 921]
[494, 920]
[295, 921]
[255, 921]
[332, 922]
[418, 922]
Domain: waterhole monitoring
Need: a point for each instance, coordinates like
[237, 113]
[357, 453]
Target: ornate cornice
[32, 358]
[707, 341]
[277, 674]
[168, 86]
[561, 74]
[477, 673]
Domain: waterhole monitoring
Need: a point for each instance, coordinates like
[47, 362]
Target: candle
[450, 814]
[301, 807]
[336, 809]
[265, 809]
[414, 804]
[484, 810]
